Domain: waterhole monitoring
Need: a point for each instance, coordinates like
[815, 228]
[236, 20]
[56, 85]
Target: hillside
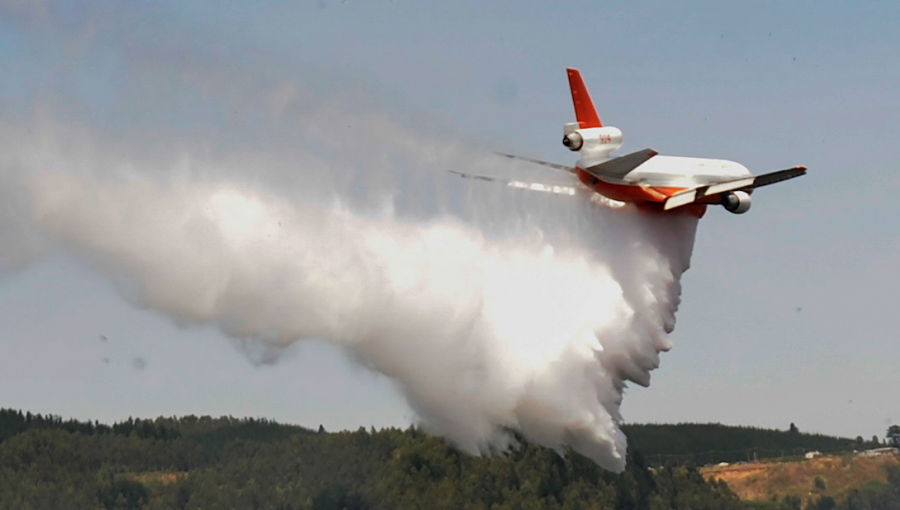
[203, 462]
[199, 463]
[761, 481]
[711, 443]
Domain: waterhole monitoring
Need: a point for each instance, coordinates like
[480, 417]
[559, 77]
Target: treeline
[207, 463]
[14, 422]
[713, 443]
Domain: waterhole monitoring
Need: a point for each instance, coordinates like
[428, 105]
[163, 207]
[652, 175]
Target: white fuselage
[664, 171]
[681, 172]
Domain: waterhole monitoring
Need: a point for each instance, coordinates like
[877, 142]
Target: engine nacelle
[574, 141]
[592, 142]
[737, 202]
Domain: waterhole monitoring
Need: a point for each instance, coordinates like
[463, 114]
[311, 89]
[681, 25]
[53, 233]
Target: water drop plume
[532, 320]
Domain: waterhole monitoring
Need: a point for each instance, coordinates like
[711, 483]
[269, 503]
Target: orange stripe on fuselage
[626, 192]
[645, 197]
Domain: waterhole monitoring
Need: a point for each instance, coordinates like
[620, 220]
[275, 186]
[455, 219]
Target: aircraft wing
[693, 194]
[526, 185]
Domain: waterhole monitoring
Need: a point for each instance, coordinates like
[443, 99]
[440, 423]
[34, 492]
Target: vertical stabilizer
[584, 107]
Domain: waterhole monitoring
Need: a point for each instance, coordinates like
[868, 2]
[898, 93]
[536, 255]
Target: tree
[794, 429]
[824, 503]
[893, 435]
[819, 484]
[790, 503]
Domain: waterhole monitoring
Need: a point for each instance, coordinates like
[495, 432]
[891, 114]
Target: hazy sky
[788, 311]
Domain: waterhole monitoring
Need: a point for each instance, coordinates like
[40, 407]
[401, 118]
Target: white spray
[481, 335]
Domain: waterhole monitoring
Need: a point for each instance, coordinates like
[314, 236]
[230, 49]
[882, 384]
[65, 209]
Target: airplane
[644, 178]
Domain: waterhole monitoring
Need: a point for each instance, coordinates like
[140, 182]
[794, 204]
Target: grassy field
[837, 475]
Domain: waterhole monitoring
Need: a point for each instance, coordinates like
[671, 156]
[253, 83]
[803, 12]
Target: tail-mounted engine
[592, 142]
[574, 141]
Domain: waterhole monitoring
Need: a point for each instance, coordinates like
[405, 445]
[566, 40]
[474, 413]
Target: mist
[282, 206]
[535, 327]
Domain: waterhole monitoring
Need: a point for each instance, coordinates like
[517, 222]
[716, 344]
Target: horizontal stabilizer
[616, 169]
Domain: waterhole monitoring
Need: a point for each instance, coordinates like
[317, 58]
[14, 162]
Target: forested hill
[660, 444]
[712, 443]
[200, 463]
[205, 463]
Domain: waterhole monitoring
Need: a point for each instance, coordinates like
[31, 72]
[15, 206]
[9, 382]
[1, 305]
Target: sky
[787, 311]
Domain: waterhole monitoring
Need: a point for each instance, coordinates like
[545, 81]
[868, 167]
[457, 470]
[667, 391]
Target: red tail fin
[584, 107]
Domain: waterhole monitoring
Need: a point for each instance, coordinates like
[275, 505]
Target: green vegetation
[194, 463]
[206, 463]
[819, 484]
[872, 496]
[713, 443]
[893, 436]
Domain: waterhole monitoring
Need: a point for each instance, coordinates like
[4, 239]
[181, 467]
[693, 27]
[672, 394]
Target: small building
[878, 452]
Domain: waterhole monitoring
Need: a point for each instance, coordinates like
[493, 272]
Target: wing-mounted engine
[737, 202]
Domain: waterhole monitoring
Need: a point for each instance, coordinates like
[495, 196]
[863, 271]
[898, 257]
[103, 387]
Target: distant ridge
[708, 443]
[204, 462]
